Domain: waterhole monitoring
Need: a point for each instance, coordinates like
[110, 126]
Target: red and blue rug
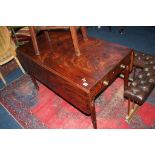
[35, 109]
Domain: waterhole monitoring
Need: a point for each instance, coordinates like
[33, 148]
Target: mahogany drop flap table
[76, 79]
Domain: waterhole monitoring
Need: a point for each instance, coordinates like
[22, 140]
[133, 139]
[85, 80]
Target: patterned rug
[44, 109]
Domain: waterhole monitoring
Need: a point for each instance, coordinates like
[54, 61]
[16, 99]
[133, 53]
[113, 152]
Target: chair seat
[139, 93]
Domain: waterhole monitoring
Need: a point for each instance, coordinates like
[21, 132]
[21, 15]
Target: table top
[98, 57]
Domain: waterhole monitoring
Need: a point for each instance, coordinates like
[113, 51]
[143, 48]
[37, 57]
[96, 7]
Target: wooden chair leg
[1, 76]
[75, 40]
[20, 66]
[34, 40]
[14, 34]
[131, 110]
[84, 33]
[47, 36]
[129, 107]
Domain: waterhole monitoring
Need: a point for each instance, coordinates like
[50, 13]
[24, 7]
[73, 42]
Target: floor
[6, 119]
[138, 38]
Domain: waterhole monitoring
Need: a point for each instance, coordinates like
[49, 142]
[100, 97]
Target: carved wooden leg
[84, 33]
[34, 40]
[75, 40]
[1, 76]
[35, 82]
[93, 114]
[17, 61]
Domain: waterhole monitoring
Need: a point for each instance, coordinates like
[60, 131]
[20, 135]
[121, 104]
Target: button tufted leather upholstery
[141, 59]
[141, 87]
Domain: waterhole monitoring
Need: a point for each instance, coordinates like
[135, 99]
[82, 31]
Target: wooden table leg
[34, 81]
[34, 40]
[93, 114]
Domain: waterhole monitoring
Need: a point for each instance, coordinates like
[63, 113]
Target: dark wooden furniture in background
[76, 79]
[73, 30]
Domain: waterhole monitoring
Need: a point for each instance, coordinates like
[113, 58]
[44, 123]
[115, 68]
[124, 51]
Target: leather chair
[143, 83]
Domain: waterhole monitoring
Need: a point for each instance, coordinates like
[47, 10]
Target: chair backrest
[6, 42]
[4, 39]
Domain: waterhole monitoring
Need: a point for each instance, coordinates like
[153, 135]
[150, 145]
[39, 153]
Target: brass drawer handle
[106, 83]
[122, 66]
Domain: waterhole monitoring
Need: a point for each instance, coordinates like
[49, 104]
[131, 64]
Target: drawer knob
[106, 83]
[122, 66]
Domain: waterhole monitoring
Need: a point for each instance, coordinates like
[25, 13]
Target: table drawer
[110, 77]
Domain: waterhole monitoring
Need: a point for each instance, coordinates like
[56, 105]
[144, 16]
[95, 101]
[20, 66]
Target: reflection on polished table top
[77, 79]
